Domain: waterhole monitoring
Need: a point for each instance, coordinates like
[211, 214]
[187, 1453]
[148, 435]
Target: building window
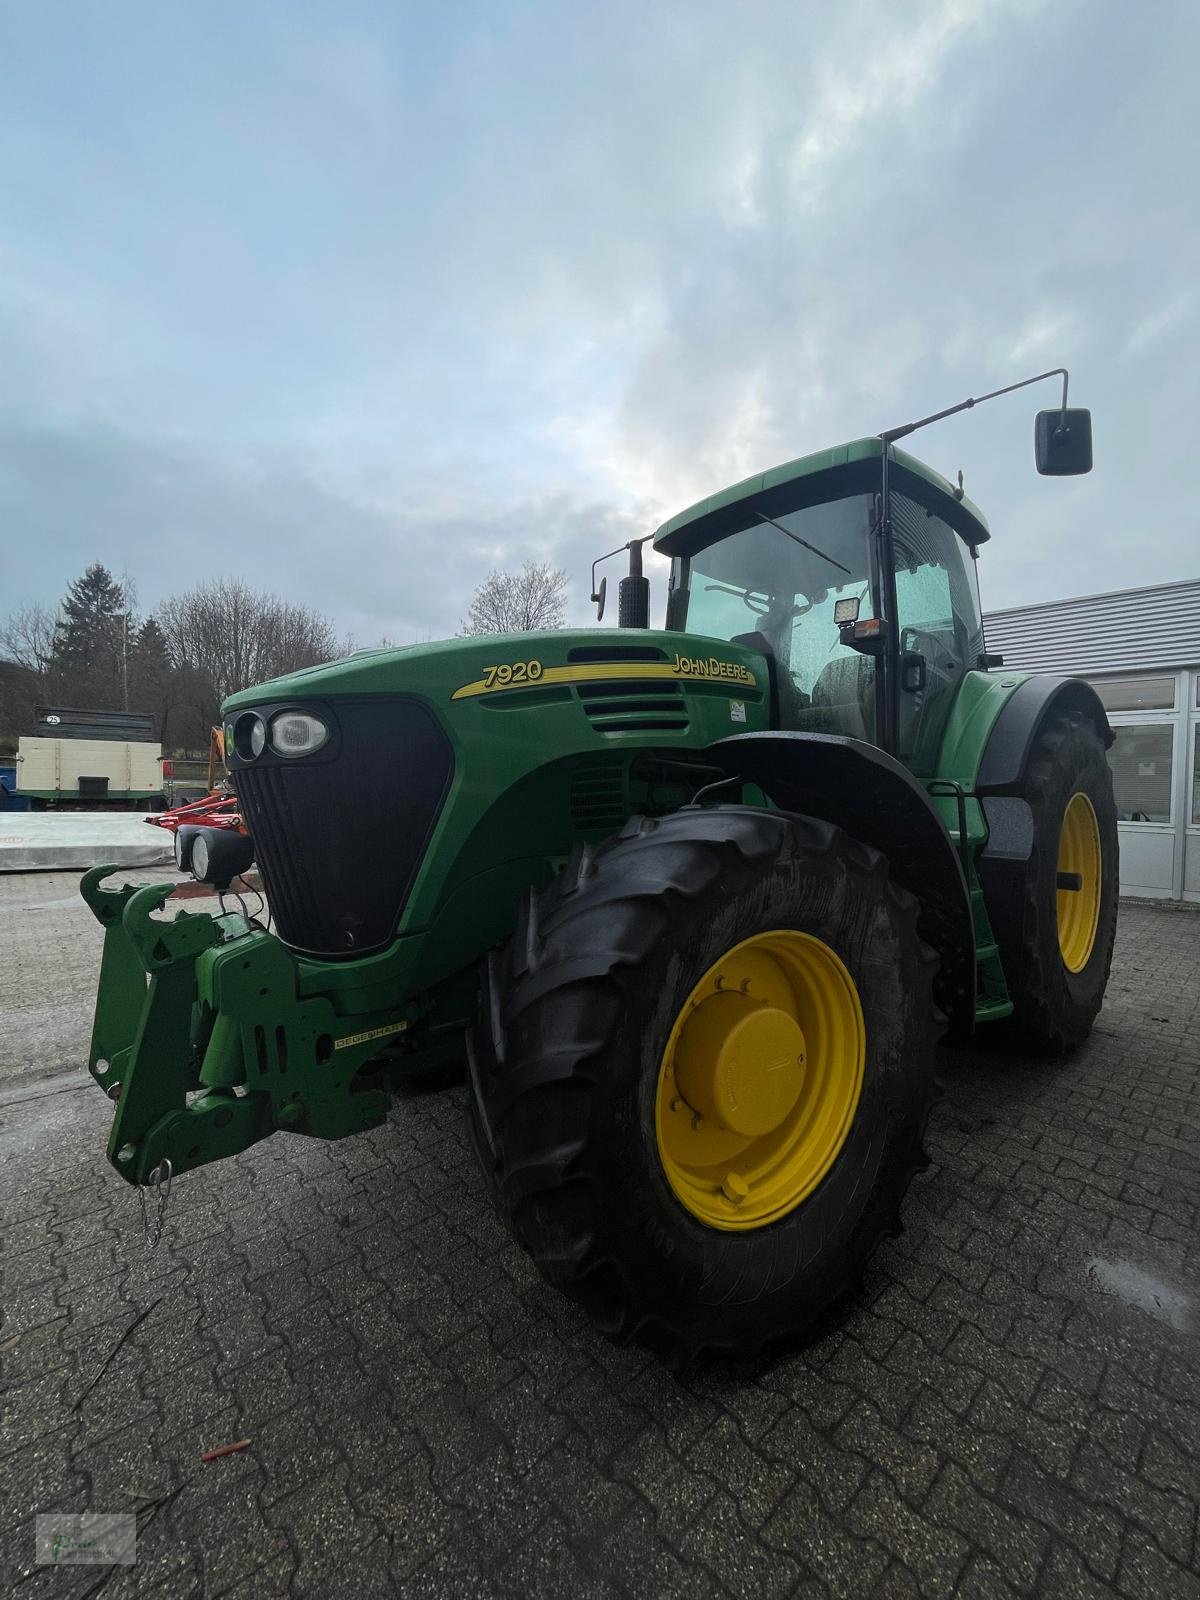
[1142, 765]
[1136, 694]
[1196, 770]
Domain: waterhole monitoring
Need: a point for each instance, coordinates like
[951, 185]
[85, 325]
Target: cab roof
[827, 475]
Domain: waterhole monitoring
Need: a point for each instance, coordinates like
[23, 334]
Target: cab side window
[940, 636]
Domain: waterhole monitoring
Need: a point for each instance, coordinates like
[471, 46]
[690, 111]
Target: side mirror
[598, 599]
[1062, 443]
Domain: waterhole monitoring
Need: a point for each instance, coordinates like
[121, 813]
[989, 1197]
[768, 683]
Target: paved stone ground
[1013, 1407]
[49, 963]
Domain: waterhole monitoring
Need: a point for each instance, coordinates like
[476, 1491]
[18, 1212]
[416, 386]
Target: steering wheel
[743, 595]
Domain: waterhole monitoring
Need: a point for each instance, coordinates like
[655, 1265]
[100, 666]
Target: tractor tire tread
[546, 1185]
[1045, 1021]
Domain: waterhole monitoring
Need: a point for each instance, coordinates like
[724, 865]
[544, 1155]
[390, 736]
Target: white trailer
[72, 768]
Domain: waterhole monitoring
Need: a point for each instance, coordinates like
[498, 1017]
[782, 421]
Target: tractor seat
[843, 699]
[793, 702]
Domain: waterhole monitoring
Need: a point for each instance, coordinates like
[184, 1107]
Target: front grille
[632, 705]
[339, 840]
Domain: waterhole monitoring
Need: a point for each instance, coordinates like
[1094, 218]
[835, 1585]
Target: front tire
[581, 1025]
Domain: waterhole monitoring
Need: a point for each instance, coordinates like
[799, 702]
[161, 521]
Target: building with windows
[1140, 648]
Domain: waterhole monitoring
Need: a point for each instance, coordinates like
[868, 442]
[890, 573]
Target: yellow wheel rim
[760, 1080]
[1079, 877]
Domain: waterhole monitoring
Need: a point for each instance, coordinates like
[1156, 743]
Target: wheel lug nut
[734, 1187]
[697, 1123]
[677, 1104]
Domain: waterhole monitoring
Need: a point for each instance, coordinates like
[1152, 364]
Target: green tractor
[690, 907]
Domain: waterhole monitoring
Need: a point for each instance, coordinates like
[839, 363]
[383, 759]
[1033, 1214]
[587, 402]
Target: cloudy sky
[356, 301]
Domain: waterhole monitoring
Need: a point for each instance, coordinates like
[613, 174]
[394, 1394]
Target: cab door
[939, 636]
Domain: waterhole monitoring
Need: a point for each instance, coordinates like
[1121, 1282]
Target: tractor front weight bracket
[203, 1041]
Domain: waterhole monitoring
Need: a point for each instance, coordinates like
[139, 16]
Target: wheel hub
[760, 1080]
[740, 1063]
[1079, 876]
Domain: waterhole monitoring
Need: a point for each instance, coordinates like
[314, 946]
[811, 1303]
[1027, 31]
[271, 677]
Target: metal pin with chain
[160, 1182]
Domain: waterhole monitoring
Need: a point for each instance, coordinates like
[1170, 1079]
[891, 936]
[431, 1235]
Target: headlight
[297, 733]
[218, 855]
[249, 736]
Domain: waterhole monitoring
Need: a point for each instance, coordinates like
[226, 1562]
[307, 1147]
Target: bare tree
[128, 630]
[26, 648]
[225, 635]
[27, 637]
[518, 602]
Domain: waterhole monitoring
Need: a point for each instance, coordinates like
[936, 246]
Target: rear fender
[875, 799]
[1006, 754]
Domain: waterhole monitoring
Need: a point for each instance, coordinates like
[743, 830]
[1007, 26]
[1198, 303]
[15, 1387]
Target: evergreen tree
[152, 679]
[91, 639]
[150, 649]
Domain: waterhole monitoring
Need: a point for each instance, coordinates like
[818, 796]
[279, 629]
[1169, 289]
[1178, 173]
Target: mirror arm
[596, 563]
[892, 434]
[634, 546]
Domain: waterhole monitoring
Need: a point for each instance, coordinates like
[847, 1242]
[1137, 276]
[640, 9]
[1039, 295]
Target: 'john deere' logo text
[711, 667]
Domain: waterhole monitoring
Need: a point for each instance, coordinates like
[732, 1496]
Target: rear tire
[565, 1074]
[1054, 1006]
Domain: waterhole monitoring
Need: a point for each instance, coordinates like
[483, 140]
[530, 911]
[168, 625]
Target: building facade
[1140, 648]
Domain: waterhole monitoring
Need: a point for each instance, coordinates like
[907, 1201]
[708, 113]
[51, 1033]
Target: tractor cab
[869, 624]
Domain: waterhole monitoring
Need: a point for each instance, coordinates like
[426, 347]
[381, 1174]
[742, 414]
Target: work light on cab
[297, 733]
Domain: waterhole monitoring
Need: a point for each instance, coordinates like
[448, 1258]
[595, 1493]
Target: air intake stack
[633, 602]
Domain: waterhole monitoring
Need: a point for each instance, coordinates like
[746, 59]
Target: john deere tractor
[691, 907]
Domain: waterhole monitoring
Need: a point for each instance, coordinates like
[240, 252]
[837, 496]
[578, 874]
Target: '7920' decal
[510, 673]
[524, 674]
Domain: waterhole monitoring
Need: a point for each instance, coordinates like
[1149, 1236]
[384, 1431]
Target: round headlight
[200, 857]
[249, 736]
[297, 733]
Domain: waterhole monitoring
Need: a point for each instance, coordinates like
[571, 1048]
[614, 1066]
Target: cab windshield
[760, 587]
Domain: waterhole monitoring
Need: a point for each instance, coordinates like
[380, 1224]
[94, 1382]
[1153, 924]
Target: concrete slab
[60, 841]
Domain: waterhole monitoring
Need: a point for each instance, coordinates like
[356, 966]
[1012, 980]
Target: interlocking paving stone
[1011, 1407]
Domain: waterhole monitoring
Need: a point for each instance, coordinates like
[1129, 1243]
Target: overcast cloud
[357, 300]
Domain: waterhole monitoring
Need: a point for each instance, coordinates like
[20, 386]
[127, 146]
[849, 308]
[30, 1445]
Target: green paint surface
[821, 475]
